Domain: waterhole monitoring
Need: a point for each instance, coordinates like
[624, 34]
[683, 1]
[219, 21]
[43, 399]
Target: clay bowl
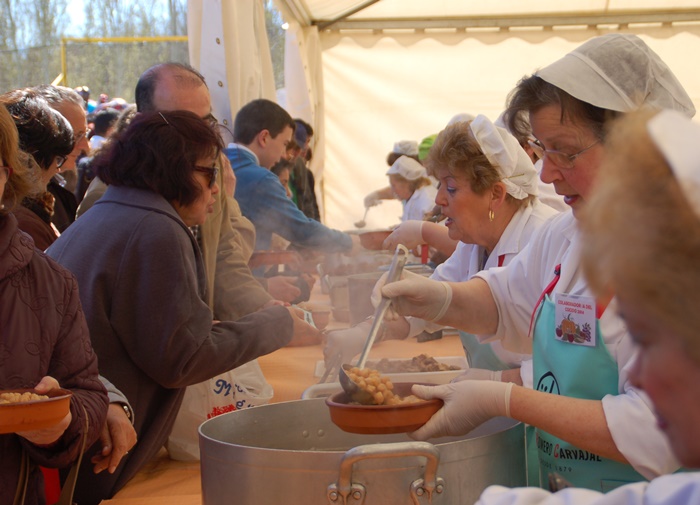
[34, 415]
[321, 317]
[373, 240]
[381, 419]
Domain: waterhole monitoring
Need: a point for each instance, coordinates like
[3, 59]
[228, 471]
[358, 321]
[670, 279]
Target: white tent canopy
[400, 69]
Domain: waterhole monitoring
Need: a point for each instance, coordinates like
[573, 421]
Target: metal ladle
[362, 223]
[349, 386]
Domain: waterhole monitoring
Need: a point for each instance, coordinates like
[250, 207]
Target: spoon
[349, 386]
[362, 223]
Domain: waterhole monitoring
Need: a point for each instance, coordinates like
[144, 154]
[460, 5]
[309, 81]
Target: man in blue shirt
[262, 129]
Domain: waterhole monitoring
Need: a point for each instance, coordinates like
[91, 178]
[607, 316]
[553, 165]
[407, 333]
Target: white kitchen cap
[407, 147]
[618, 72]
[678, 139]
[510, 160]
[408, 168]
[458, 118]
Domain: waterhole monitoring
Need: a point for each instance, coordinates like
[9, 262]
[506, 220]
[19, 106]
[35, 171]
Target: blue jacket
[264, 201]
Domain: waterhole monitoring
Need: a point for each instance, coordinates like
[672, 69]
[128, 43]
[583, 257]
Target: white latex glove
[413, 295]
[408, 233]
[348, 343]
[372, 199]
[467, 405]
[479, 374]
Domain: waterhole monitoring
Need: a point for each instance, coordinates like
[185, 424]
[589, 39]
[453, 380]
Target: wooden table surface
[290, 371]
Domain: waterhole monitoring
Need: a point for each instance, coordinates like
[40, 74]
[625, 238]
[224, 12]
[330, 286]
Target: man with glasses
[69, 104]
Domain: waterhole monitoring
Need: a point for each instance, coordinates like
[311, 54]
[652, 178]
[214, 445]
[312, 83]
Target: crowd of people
[575, 310]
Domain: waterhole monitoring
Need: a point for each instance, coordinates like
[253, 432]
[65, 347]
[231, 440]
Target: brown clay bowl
[35, 415]
[374, 240]
[381, 419]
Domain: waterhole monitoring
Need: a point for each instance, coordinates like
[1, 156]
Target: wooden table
[290, 371]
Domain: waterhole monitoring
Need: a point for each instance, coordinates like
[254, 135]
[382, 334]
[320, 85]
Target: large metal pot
[290, 453]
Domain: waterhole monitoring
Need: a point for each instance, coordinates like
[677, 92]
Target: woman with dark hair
[48, 137]
[43, 336]
[142, 281]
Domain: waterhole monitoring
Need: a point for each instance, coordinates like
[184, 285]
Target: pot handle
[347, 492]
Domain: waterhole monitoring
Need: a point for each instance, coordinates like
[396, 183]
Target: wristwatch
[128, 412]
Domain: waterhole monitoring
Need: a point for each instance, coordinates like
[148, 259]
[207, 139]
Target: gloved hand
[408, 233]
[467, 405]
[372, 199]
[479, 374]
[348, 343]
[413, 295]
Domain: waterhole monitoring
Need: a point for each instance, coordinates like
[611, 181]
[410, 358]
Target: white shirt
[96, 141]
[422, 200]
[516, 290]
[680, 489]
[467, 258]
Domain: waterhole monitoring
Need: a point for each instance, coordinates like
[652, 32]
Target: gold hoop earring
[491, 215]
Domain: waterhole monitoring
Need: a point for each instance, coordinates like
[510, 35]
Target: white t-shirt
[422, 200]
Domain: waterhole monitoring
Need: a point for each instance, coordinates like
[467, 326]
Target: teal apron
[481, 355]
[565, 369]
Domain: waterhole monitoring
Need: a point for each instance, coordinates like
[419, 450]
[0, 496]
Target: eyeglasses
[79, 136]
[211, 120]
[7, 170]
[559, 158]
[60, 160]
[212, 171]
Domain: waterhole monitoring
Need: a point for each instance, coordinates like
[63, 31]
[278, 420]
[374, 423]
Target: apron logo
[548, 384]
[574, 454]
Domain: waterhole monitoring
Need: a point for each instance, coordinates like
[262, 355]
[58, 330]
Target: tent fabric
[363, 90]
[228, 44]
[380, 87]
[304, 92]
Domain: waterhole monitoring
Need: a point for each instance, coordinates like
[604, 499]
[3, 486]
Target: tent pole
[325, 24]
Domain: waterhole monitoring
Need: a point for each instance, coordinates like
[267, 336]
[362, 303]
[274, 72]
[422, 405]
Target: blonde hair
[20, 183]
[456, 150]
[641, 236]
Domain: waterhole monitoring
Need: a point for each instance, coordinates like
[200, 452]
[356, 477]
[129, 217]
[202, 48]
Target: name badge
[575, 319]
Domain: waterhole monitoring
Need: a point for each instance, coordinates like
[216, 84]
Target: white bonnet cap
[408, 168]
[510, 160]
[407, 147]
[459, 118]
[618, 72]
[678, 139]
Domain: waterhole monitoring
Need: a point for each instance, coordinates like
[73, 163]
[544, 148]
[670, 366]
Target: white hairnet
[618, 72]
[458, 118]
[510, 160]
[408, 168]
[407, 147]
[678, 139]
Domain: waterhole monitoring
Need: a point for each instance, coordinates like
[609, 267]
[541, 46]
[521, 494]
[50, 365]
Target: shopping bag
[240, 388]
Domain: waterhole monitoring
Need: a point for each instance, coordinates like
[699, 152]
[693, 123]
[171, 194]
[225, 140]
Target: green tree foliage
[275, 34]
[31, 32]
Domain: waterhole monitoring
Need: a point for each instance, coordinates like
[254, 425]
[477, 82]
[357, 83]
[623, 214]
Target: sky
[77, 16]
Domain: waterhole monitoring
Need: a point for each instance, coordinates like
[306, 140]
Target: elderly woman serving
[488, 192]
[594, 426]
